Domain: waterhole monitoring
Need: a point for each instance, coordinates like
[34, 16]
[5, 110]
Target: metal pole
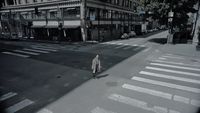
[197, 16]
[83, 20]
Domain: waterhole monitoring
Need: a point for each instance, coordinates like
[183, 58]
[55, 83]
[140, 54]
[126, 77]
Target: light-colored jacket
[96, 65]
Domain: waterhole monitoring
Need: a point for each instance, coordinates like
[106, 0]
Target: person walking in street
[96, 65]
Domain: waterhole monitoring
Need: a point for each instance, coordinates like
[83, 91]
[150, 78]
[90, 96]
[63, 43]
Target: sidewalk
[88, 97]
[188, 50]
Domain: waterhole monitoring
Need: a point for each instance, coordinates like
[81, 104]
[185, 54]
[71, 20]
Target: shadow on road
[159, 40]
[102, 76]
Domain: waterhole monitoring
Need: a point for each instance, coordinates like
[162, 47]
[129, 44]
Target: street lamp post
[170, 20]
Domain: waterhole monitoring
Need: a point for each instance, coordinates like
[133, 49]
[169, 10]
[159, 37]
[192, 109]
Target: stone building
[70, 20]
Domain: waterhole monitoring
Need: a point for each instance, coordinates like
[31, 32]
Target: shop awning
[38, 26]
[51, 26]
[72, 26]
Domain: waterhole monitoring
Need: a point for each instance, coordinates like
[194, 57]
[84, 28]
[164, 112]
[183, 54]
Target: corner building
[70, 20]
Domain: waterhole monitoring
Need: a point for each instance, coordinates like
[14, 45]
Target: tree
[181, 8]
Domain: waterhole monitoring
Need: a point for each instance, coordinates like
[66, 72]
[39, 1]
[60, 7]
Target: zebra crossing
[20, 103]
[33, 50]
[170, 85]
[123, 46]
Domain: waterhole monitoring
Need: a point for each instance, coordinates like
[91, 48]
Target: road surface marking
[173, 66]
[181, 99]
[173, 57]
[46, 47]
[127, 47]
[53, 50]
[195, 103]
[7, 96]
[172, 71]
[138, 103]
[176, 63]
[162, 95]
[170, 77]
[136, 48]
[135, 45]
[26, 52]
[19, 106]
[120, 47]
[142, 46]
[148, 91]
[45, 111]
[147, 49]
[16, 54]
[161, 58]
[119, 43]
[34, 50]
[126, 44]
[101, 110]
[173, 111]
[165, 84]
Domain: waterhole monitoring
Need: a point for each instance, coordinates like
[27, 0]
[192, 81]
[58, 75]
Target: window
[71, 12]
[34, 0]
[53, 14]
[26, 1]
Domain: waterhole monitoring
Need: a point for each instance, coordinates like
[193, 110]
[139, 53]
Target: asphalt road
[34, 75]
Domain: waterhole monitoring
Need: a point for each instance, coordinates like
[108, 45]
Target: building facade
[70, 20]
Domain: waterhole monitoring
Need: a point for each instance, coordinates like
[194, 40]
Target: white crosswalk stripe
[47, 47]
[173, 71]
[174, 57]
[44, 49]
[18, 106]
[148, 91]
[139, 104]
[173, 66]
[165, 84]
[101, 110]
[128, 47]
[34, 50]
[26, 52]
[7, 96]
[176, 63]
[162, 94]
[16, 54]
[161, 58]
[170, 77]
[120, 46]
[136, 48]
